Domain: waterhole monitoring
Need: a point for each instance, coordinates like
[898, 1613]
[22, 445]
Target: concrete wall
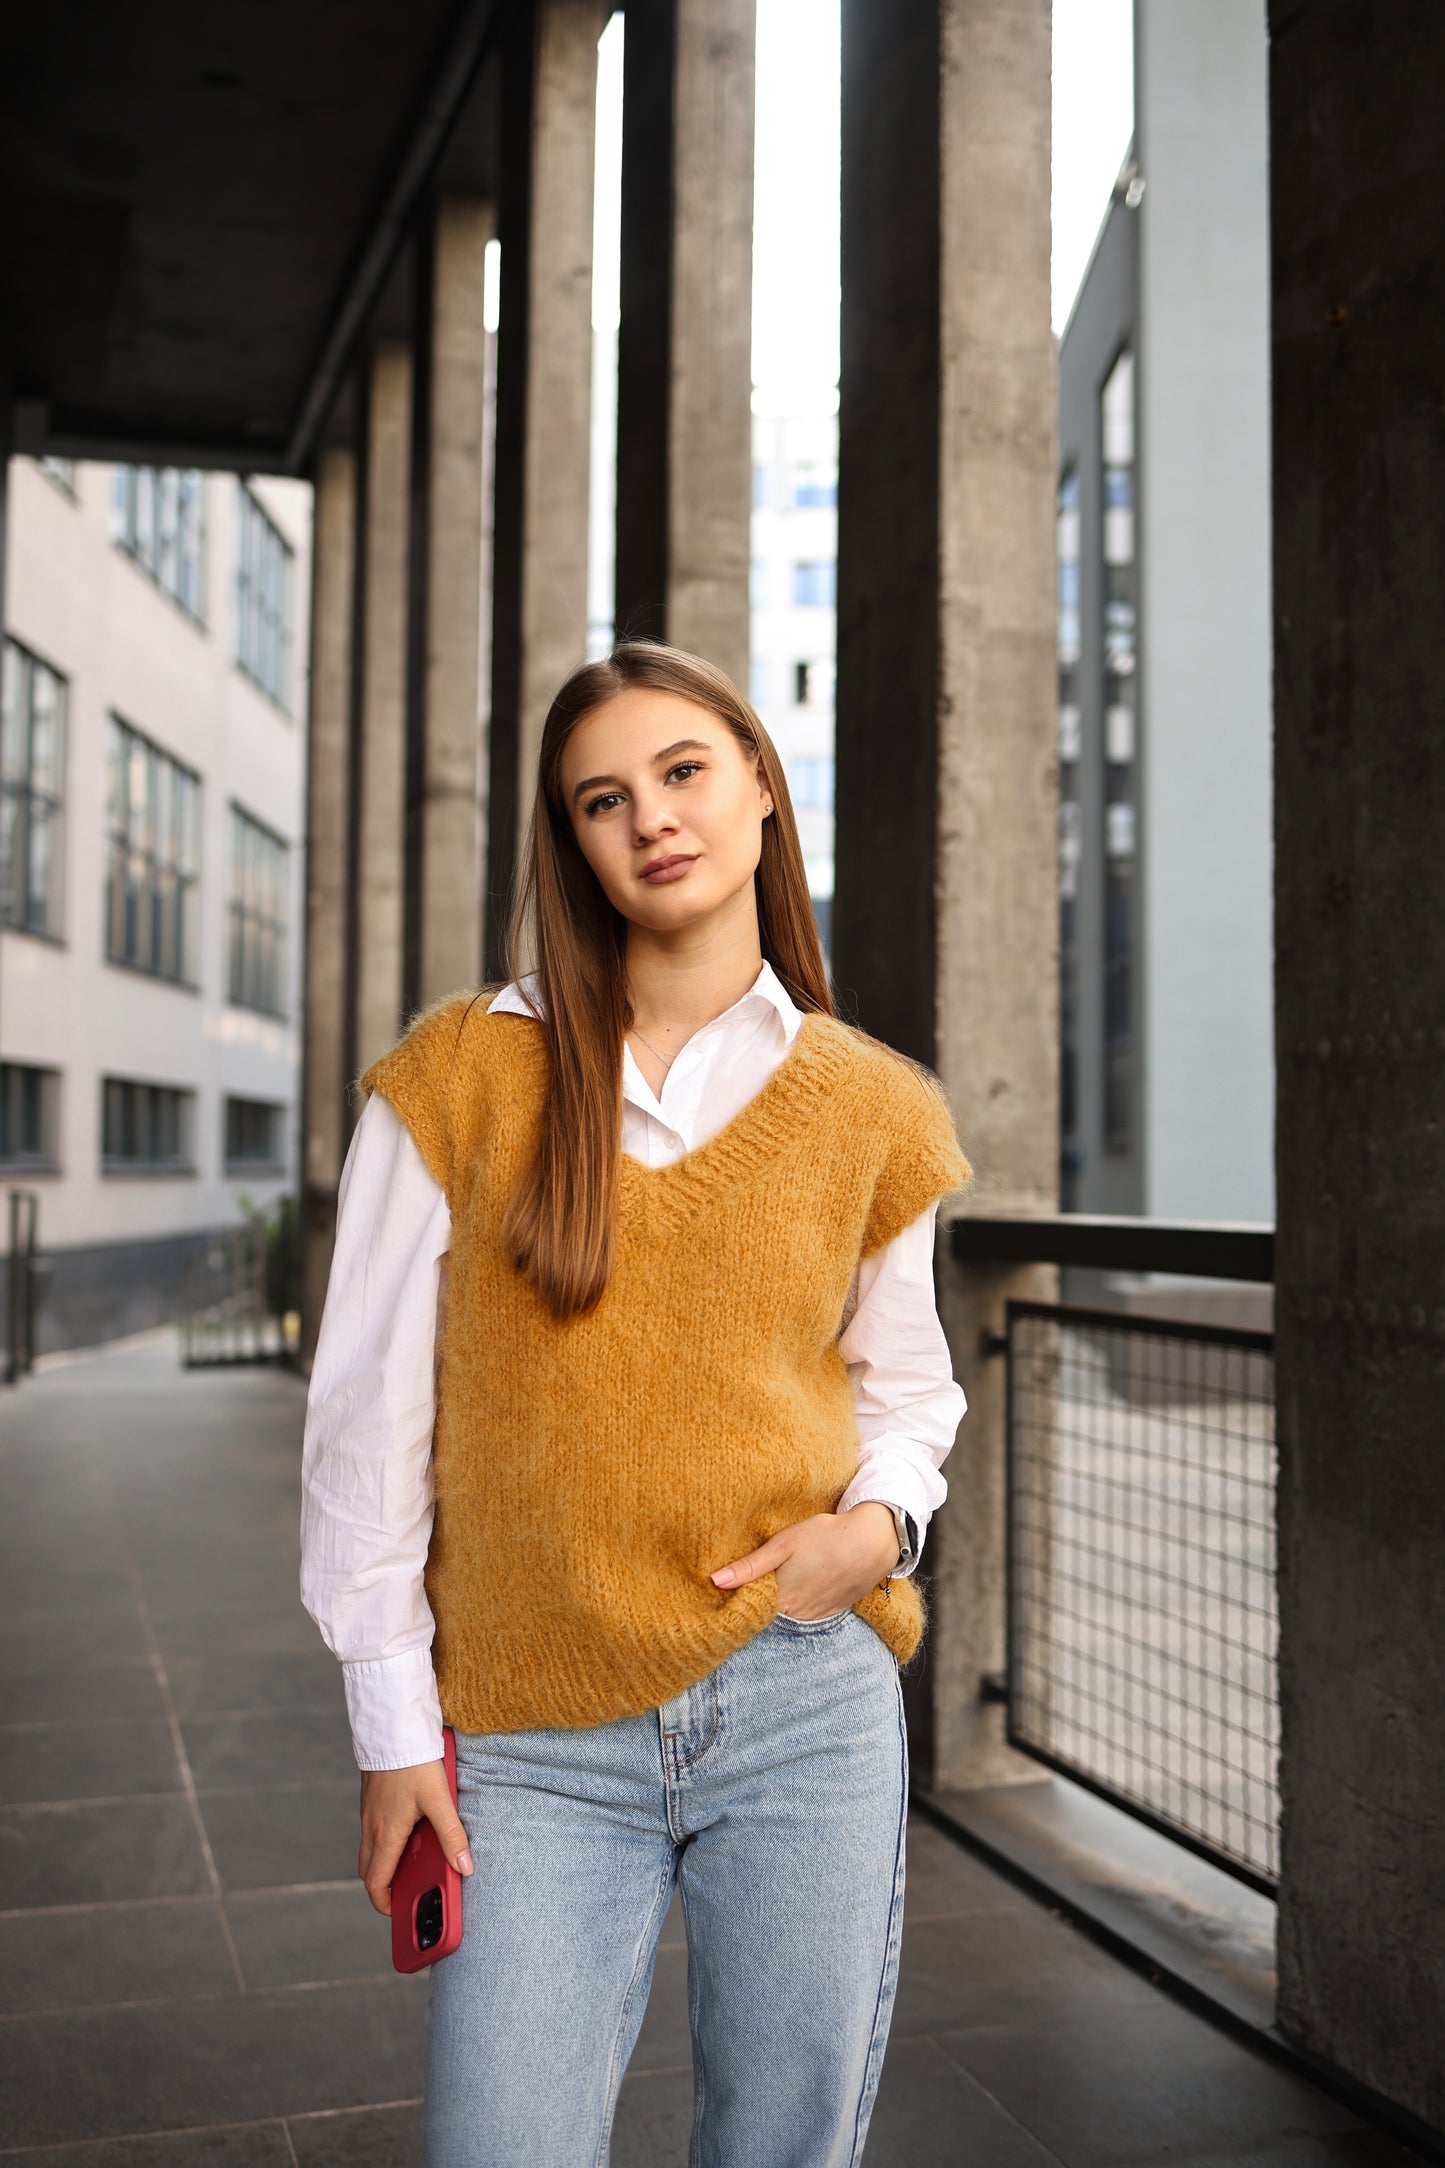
[1358, 321]
[1204, 511]
[123, 645]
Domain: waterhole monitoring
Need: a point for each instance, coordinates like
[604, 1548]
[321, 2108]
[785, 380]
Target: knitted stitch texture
[591, 1474]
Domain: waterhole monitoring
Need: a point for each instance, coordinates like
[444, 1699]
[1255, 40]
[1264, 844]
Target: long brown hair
[561, 1224]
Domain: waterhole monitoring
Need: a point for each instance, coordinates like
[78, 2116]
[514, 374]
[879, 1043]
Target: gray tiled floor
[189, 1973]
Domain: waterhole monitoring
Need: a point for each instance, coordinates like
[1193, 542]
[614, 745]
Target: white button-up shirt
[367, 1495]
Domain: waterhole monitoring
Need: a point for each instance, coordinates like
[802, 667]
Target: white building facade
[151, 865]
[1164, 651]
[794, 619]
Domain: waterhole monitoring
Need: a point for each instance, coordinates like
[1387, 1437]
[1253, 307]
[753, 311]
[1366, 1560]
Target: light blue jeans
[773, 1794]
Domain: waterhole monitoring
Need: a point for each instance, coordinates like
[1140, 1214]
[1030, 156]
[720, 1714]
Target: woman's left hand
[824, 1563]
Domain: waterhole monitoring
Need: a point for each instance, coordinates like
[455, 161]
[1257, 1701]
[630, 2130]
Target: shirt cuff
[394, 1710]
[897, 1486]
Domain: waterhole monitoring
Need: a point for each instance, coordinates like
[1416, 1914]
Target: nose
[652, 817]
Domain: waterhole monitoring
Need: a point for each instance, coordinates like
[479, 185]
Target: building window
[1120, 735]
[758, 681]
[263, 597]
[810, 782]
[760, 485]
[61, 472]
[145, 1127]
[29, 1102]
[813, 684]
[1071, 828]
[158, 518]
[815, 482]
[32, 786]
[151, 907]
[758, 584]
[256, 917]
[815, 586]
[253, 1135]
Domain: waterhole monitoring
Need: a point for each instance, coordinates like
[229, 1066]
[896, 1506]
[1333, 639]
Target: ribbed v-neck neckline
[760, 1127]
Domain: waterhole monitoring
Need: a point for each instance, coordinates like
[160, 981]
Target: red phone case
[426, 1881]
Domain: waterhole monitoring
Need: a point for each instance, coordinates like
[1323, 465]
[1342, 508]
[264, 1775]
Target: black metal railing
[1142, 1619]
[20, 1304]
[225, 1311]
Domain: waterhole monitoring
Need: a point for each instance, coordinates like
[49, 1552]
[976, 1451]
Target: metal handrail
[1194, 1249]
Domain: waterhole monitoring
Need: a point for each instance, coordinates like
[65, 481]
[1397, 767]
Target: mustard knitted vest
[591, 1475]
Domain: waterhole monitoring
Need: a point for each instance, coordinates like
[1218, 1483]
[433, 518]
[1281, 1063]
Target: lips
[668, 869]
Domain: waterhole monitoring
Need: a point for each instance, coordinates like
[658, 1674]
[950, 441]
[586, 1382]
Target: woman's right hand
[393, 1801]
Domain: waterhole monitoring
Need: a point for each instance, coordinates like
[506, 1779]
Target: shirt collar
[523, 997]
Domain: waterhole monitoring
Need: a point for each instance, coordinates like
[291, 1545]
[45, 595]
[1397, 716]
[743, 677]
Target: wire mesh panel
[1142, 1613]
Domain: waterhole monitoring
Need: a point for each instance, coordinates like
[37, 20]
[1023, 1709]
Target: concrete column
[325, 1037]
[449, 514]
[379, 866]
[1357, 162]
[544, 405]
[946, 911]
[684, 363]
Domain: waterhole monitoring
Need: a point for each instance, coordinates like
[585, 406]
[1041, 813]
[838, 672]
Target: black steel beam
[1195, 1249]
[460, 55]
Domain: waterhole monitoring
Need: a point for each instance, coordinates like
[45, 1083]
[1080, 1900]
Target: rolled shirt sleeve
[907, 1400]
[367, 1494]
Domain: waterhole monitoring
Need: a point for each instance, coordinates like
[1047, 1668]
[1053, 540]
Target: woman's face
[667, 806]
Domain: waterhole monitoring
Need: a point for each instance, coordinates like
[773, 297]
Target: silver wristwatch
[907, 1538]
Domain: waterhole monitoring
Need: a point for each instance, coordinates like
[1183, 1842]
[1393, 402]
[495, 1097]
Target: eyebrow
[669, 752]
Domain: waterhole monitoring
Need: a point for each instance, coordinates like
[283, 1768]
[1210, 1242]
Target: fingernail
[724, 1573]
[464, 1863]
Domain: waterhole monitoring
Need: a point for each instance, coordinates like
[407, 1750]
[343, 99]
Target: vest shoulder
[457, 1029]
[895, 1082]
[918, 1156]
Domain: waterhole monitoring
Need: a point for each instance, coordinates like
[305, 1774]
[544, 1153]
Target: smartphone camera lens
[429, 1919]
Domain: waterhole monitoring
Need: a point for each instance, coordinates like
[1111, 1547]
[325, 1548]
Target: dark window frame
[264, 609]
[41, 1083]
[158, 519]
[250, 928]
[139, 875]
[28, 808]
[136, 1104]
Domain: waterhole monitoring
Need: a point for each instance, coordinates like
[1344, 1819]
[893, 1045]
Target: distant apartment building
[1164, 699]
[151, 825]
[794, 620]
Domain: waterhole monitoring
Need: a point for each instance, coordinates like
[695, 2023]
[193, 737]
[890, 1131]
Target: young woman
[631, 1490]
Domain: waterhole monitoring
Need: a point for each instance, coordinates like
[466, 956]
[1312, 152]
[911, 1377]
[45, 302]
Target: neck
[680, 982]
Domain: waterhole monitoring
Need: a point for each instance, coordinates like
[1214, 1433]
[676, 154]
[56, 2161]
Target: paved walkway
[189, 1973]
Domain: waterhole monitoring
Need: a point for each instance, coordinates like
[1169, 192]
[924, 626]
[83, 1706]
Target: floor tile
[265, 1839]
[113, 1953]
[104, 1759]
[81, 1854]
[654, 2120]
[944, 1879]
[203, 1626]
[666, 2035]
[928, 2110]
[251, 2145]
[231, 2059]
[269, 1747]
[990, 1968]
[369, 2138]
[1338, 2149]
[1162, 2086]
[286, 1936]
[223, 1681]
